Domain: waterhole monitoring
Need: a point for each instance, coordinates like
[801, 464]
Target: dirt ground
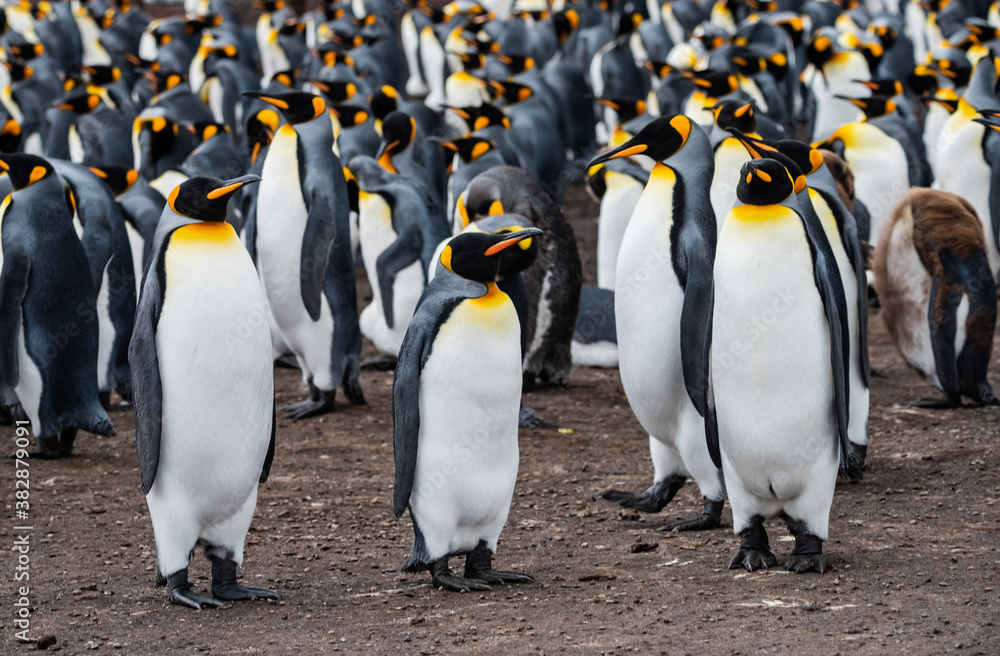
[913, 549]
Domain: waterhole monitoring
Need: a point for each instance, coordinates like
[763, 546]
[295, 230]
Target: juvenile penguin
[938, 296]
[303, 248]
[48, 310]
[204, 400]
[663, 304]
[780, 394]
[463, 336]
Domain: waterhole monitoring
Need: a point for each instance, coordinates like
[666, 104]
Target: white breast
[617, 205]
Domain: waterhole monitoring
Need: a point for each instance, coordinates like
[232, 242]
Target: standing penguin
[780, 393]
[303, 248]
[204, 424]
[663, 306]
[463, 336]
[48, 315]
[938, 296]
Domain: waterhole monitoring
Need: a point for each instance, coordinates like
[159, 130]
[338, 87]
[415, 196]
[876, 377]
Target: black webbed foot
[652, 500]
[181, 594]
[710, 518]
[479, 565]
[949, 402]
[443, 577]
[755, 551]
[225, 586]
[528, 418]
[808, 552]
[320, 402]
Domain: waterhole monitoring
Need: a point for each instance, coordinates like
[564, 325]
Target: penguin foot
[352, 384]
[983, 394]
[652, 500]
[808, 552]
[527, 418]
[710, 518]
[755, 551]
[319, 403]
[442, 577]
[181, 594]
[382, 362]
[479, 565]
[225, 586]
[949, 402]
[105, 399]
[48, 449]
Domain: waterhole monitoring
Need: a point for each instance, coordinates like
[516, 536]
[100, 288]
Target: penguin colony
[187, 200]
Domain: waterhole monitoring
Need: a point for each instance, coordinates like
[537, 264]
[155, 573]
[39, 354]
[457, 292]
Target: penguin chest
[470, 390]
[214, 351]
[770, 342]
[730, 157]
[648, 301]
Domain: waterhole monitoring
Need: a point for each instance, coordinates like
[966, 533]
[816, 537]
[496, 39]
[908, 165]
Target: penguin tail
[161, 581]
[414, 564]
[850, 465]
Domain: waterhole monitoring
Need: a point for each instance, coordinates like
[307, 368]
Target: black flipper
[400, 254]
[945, 298]
[269, 458]
[696, 321]
[13, 286]
[974, 360]
[316, 246]
[147, 387]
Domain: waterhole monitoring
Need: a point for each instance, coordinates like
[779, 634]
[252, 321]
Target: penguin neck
[492, 298]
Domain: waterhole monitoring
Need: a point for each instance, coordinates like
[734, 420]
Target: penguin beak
[511, 238]
[988, 123]
[231, 186]
[277, 102]
[753, 146]
[740, 111]
[631, 147]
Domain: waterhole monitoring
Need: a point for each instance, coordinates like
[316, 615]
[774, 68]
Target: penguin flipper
[13, 286]
[942, 312]
[406, 414]
[831, 291]
[400, 254]
[265, 471]
[696, 319]
[147, 387]
[316, 248]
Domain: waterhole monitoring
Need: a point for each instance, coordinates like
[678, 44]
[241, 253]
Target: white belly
[617, 205]
[648, 301]
[137, 244]
[281, 226]
[729, 159]
[29, 383]
[881, 179]
[770, 357]
[214, 351]
[470, 390]
[105, 334]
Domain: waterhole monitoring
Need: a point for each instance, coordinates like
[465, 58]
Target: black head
[481, 198]
[477, 255]
[351, 115]
[101, 75]
[764, 182]
[658, 140]
[513, 92]
[468, 148]
[517, 63]
[25, 170]
[626, 108]
[517, 259]
[736, 114]
[565, 22]
[883, 87]
[487, 114]
[808, 159]
[923, 80]
[19, 71]
[399, 129]
[884, 31]
[205, 130]
[79, 104]
[873, 106]
[760, 149]
[295, 106]
[260, 131]
[747, 61]
[336, 91]
[353, 190]
[714, 83]
[118, 178]
[820, 49]
[26, 51]
[384, 101]
[10, 136]
[206, 198]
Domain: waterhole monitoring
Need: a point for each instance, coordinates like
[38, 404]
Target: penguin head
[25, 170]
[336, 92]
[101, 75]
[26, 51]
[286, 78]
[79, 103]
[513, 92]
[735, 114]
[626, 108]
[883, 87]
[205, 130]
[714, 83]
[764, 182]
[468, 148]
[883, 29]
[481, 198]
[118, 178]
[399, 130]
[517, 259]
[384, 101]
[260, 131]
[873, 106]
[658, 140]
[808, 159]
[747, 60]
[477, 255]
[565, 22]
[205, 198]
[295, 106]
[351, 115]
[516, 63]
[488, 114]
[353, 190]
[760, 149]
[19, 71]
[10, 136]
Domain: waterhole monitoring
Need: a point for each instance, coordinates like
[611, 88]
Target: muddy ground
[913, 549]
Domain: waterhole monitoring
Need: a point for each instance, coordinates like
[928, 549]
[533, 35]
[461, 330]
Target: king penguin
[456, 454]
[780, 393]
[204, 399]
[48, 310]
[663, 305]
[304, 253]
